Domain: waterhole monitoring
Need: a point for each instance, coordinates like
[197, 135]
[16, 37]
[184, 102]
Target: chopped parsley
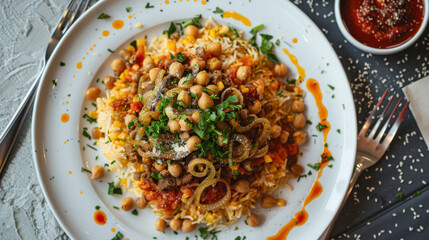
[315, 166]
[113, 190]
[159, 147]
[320, 127]
[308, 122]
[156, 175]
[97, 207]
[128, 9]
[204, 233]
[110, 50]
[180, 57]
[134, 43]
[331, 87]
[218, 10]
[62, 64]
[85, 170]
[417, 193]
[291, 81]
[93, 148]
[278, 42]
[103, 16]
[400, 196]
[86, 134]
[134, 212]
[234, 31]
[54, 82]
[89, 119]
[118, 236]
[338, 130]
[149, 6]
[193, 21]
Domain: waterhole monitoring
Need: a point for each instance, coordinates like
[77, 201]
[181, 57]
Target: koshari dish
[199, 127]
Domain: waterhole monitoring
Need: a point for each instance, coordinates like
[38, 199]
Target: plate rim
[35, 116]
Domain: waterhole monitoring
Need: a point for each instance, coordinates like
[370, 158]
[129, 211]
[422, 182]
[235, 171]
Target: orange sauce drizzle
[65, 117]
[100, 217]
[301, 217]
[167, 2]
[118, 24]
[294, 40]
[294, 60]
[204, 2]
[79, 65]
[105, 33]
[113, 229]
[238, 17]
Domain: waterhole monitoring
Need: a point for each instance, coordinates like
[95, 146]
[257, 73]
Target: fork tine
[391, 134]
[380, 119]
[381, 133]
[73, 15]
[371, 116]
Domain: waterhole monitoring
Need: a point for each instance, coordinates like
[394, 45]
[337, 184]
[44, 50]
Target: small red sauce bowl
[377, 40]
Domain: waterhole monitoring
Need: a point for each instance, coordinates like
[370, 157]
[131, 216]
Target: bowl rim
[379, 51]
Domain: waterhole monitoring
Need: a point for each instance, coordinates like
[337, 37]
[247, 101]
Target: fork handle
[353, 180]
[11, 132]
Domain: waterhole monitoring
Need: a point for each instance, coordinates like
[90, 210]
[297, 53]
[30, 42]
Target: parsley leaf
[172, 29]
[180, 57]
[156, 175]
[149, 6]
[113, 190]
[103, 16]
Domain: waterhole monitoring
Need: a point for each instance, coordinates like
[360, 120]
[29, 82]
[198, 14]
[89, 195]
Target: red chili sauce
[382, 23]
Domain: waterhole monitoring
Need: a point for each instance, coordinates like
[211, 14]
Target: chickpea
[195, 117]
[118, 66]
[299, 137]
[93, 93]
[141, 202]
[97, 172]
[184, 97]
[96, 133]
[191, 30]
[284, 136]
[215, 48]
[185, 83]
[166, 63]
[203, 78]
[165, 173]
[176, 69]
[109, 82]
[197, 62]
[184, 136]
[276, 130]
[184, 126]
[175, 224]
[148, 62]
[192, 142]
[296, 170]
[197, 90]
[241, 186]
[153, 73]
[243, 73]
[160, 225]
[252, 220]
[205, 101]
[299, 121]
[214, 64]
[160, 167]
[188, 226]
[268, 201]
[174, 126]
[280, 70]
[214, 89]
[256, 107]
[125, 54]
[127, 204]
[297, 106]
[175, 169]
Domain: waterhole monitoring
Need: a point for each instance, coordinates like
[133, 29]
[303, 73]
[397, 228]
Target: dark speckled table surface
[372, 211]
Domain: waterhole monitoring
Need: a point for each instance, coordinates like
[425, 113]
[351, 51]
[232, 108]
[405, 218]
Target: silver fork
[371, 147]
[13, 128]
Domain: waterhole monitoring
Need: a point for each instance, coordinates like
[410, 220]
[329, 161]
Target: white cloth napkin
[418, 94]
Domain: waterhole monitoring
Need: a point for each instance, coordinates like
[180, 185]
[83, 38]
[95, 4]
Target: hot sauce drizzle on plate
[237, 17]
[100, 217]
[301, 217]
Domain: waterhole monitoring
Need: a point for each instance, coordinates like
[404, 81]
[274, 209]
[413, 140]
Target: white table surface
[25, 27]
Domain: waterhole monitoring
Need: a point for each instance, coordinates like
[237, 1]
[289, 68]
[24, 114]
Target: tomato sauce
[382, 23]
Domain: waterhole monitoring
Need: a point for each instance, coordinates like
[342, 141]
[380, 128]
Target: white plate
[58, 146]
